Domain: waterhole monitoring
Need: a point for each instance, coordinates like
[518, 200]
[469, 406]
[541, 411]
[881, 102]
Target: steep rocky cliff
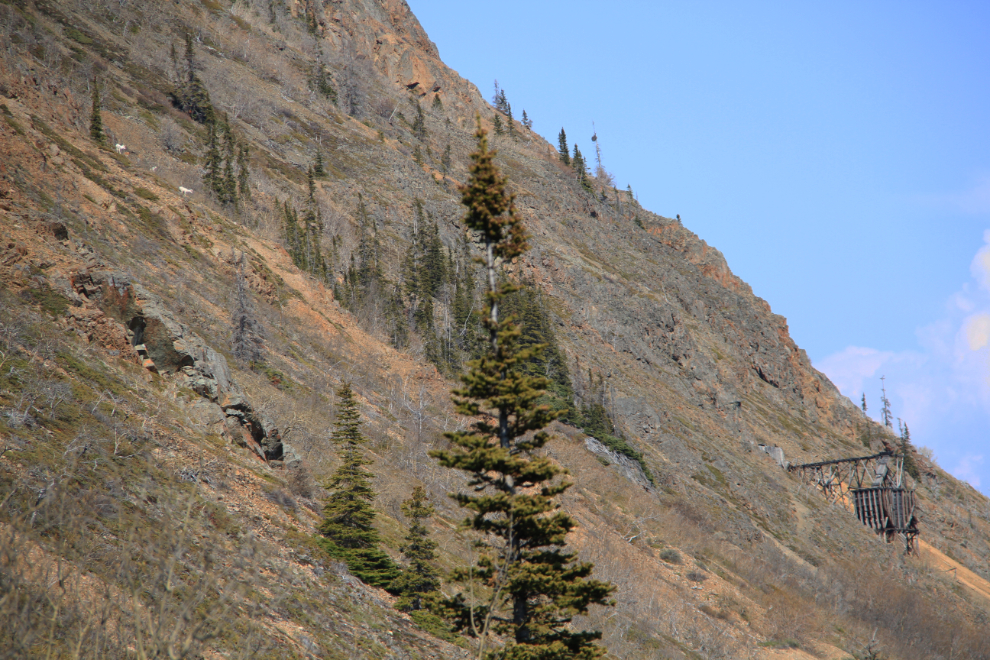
[130, 437]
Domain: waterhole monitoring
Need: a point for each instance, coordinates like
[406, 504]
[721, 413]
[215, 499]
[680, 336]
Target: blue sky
[837, 153]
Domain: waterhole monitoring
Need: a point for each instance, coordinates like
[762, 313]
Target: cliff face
[117, 290]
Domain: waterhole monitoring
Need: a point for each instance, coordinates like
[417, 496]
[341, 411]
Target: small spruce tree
[497, 126]
[96, 131]
[526, 121]
[419, 124]
[445, 160]
[420, 579]
[906, 451]
[228, 187]
[213, 162]
[534, 585]
[248, 344]
[348, 527]
[885, 414]
[243, 186]
[865, 435]
[563, 149]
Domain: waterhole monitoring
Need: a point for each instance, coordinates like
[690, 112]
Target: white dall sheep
[185, 191]
[120, 148]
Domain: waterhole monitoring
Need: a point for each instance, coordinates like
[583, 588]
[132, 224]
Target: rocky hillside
[160, 491]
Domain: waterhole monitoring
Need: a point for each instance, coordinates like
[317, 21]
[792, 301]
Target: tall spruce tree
[563, 149]
[213, 162]
[885, 414]
[445, 160]
[96, 131]
[581, 169]
[192, 96]
[535, 586]
[247, 344]
[419, 124]
[906, 449]
[420, 578]
[348, 527]
[319, 169]
[228, 185]
[866, 435]
[243, 157]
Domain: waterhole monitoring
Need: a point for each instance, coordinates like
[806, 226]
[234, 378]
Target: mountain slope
[133, 441]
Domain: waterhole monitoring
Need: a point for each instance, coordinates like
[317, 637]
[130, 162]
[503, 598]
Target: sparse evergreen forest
[250, 248]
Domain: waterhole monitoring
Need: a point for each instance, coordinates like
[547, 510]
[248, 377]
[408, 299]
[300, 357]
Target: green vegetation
[532, 586]
[348, 515]
[191, 95]
[322, 84]
[144, 193]
[562, 148]
[906, 451]
[419, 124]
[222, 152]
[305, 238]
[96, 117]
[247, 344]
[419, 580]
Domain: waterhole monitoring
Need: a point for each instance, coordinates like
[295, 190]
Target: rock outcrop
[168, 347]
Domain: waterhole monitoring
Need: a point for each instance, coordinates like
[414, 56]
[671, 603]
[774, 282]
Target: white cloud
[977, 329]
[848, 368]
[942, 389]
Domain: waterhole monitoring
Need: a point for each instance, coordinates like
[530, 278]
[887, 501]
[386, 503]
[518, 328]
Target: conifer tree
[213, 162]
[526, 121]
[865, 434]
[420, 578]
[348, 516]
[192, 96]
[910, 466]
[885, 413]
[243, 186]
[445, 160]
[419, 124]
[563, 149]
[319, 169]
[321, 83]
[581, 169]
[247, 345]
[535, 586]
[497, 125]
[96, 117]
[291, 230]
[437, 104]
[510, 124]
[190, 58]
[228, 187]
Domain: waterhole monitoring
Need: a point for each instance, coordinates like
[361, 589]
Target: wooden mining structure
[875, 486]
